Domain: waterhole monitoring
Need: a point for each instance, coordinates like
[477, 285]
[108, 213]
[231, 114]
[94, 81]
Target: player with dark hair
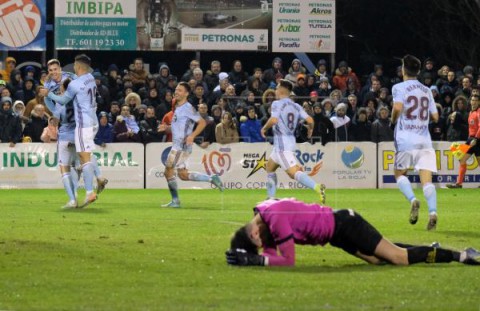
[472, 141]
[285, 118]
[280, 224]
[184, 119]
[413, 106]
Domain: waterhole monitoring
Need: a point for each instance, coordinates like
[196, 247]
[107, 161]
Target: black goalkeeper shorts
[354, 234]
[475, 150]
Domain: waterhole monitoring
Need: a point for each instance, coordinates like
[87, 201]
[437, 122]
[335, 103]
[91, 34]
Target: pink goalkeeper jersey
[294, 222]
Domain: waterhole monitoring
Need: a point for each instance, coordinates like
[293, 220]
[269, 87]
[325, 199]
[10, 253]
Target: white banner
[242, 165]
[224, 39]
[447, 166]
[303, 26]
[96, 9]
[34, 165]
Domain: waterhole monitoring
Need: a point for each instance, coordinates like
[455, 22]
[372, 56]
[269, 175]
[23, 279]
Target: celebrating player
[413, 105]
[473, 137]
[184, 119]
[278, 225]
[82, 91]
[285, 117]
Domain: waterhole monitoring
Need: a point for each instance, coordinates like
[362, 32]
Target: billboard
[22, 25]
[95, 25]
[447, 167]
[242, 165]
[303, 26]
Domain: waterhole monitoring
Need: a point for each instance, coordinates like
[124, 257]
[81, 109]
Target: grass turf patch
[125, 252]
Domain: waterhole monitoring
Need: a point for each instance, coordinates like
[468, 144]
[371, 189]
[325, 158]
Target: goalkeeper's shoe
[470, 256]
[92, 197]
[172, 203]
[414, 211]
[454, 186]
[101, 183]
[70, 205]
[320, 189]
[432, 222]
[217, 182]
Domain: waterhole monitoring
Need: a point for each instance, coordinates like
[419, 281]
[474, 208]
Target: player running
[285, 117]
[473, 137]
[183, 122]
[82, 92]
[278, 225]
[413, 105]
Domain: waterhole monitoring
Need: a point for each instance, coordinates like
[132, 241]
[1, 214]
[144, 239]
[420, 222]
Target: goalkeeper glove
[240, 257]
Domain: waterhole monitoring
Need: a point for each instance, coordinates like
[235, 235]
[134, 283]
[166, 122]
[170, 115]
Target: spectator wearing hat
[27, 93]
[250, 128]
[219, 90]
[140, 112]
[361, 128]
[435, 93]
[312, 98]
[134, 101]
[300, 89]
[321, 72]
[38, 121]
[271, 74]
[10, 124]
[323, 88]
[30, 73]
[163, 77]
[295, 69]
[104, 135]
[323, 130]
[428, 71]
[342, 73]
[10, 64]
[428, 80]
[468, 71]
[16, 81]
[381, 128]
[341, 123]
[211, 76]
[19, 111]
[328, 108]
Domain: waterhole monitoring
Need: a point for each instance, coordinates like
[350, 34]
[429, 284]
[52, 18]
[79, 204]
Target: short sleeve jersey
[183, 122]
[83, 91]
[288, 115]
[411, 131]
[307, 224]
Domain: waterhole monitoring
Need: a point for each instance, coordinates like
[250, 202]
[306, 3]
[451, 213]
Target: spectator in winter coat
[323, 130]
[381, 128]
[105, 131]
[361, 127]
[250, 128]
[10, 124]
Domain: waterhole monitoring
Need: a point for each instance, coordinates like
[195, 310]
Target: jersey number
[420, 105]
[93, 94]
[291, 121]
[69, 114]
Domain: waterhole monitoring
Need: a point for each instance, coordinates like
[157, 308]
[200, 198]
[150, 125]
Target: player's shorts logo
[217, 162]
[20, 22]
[352, 157]
[165, 153]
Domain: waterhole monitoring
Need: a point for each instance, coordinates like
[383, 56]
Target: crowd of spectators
[133, 104]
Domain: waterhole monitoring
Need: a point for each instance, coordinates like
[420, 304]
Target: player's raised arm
[61, 99]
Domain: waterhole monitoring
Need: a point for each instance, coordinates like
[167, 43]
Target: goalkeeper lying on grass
[278, 225]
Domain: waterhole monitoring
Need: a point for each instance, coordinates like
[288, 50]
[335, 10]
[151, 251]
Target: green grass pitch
[125, 252]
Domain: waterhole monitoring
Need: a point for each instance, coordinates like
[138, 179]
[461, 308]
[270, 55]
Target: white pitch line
[232, 223]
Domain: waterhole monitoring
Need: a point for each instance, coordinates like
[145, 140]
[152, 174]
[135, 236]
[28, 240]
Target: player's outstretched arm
[61, 99]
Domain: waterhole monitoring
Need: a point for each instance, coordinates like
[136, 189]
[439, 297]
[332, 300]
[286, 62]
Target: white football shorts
[178, 158]
[84, 138]
[286, 159]
[418, 159]
[66, 153]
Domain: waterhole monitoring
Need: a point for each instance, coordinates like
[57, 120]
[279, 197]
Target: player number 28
[417, 104]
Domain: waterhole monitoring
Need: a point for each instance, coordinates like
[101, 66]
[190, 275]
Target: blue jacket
[104, 134]
[250, 131]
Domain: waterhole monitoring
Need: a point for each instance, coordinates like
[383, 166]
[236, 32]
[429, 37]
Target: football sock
[271, 184]
[67, 184]
[74, 178]
[172, 186]
[305, 180]
[194, 176]
[461, 173]
[430, 254]
[87, 171]
[96, 169]
[430, 194]
[406, 188]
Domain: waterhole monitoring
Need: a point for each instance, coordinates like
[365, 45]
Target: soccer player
[82, 91]
[285, 117]
[57, 83]
[473, 137]
[280, 224]
[184, 119]
[413, 105]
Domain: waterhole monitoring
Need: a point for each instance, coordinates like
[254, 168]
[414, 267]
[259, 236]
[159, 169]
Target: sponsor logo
[311, 162]
[255, 162]
[352, 157]
[21, 20]
[228, 38]
[289, 45]
[217, 162]
[288, 28]
[319, 11]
